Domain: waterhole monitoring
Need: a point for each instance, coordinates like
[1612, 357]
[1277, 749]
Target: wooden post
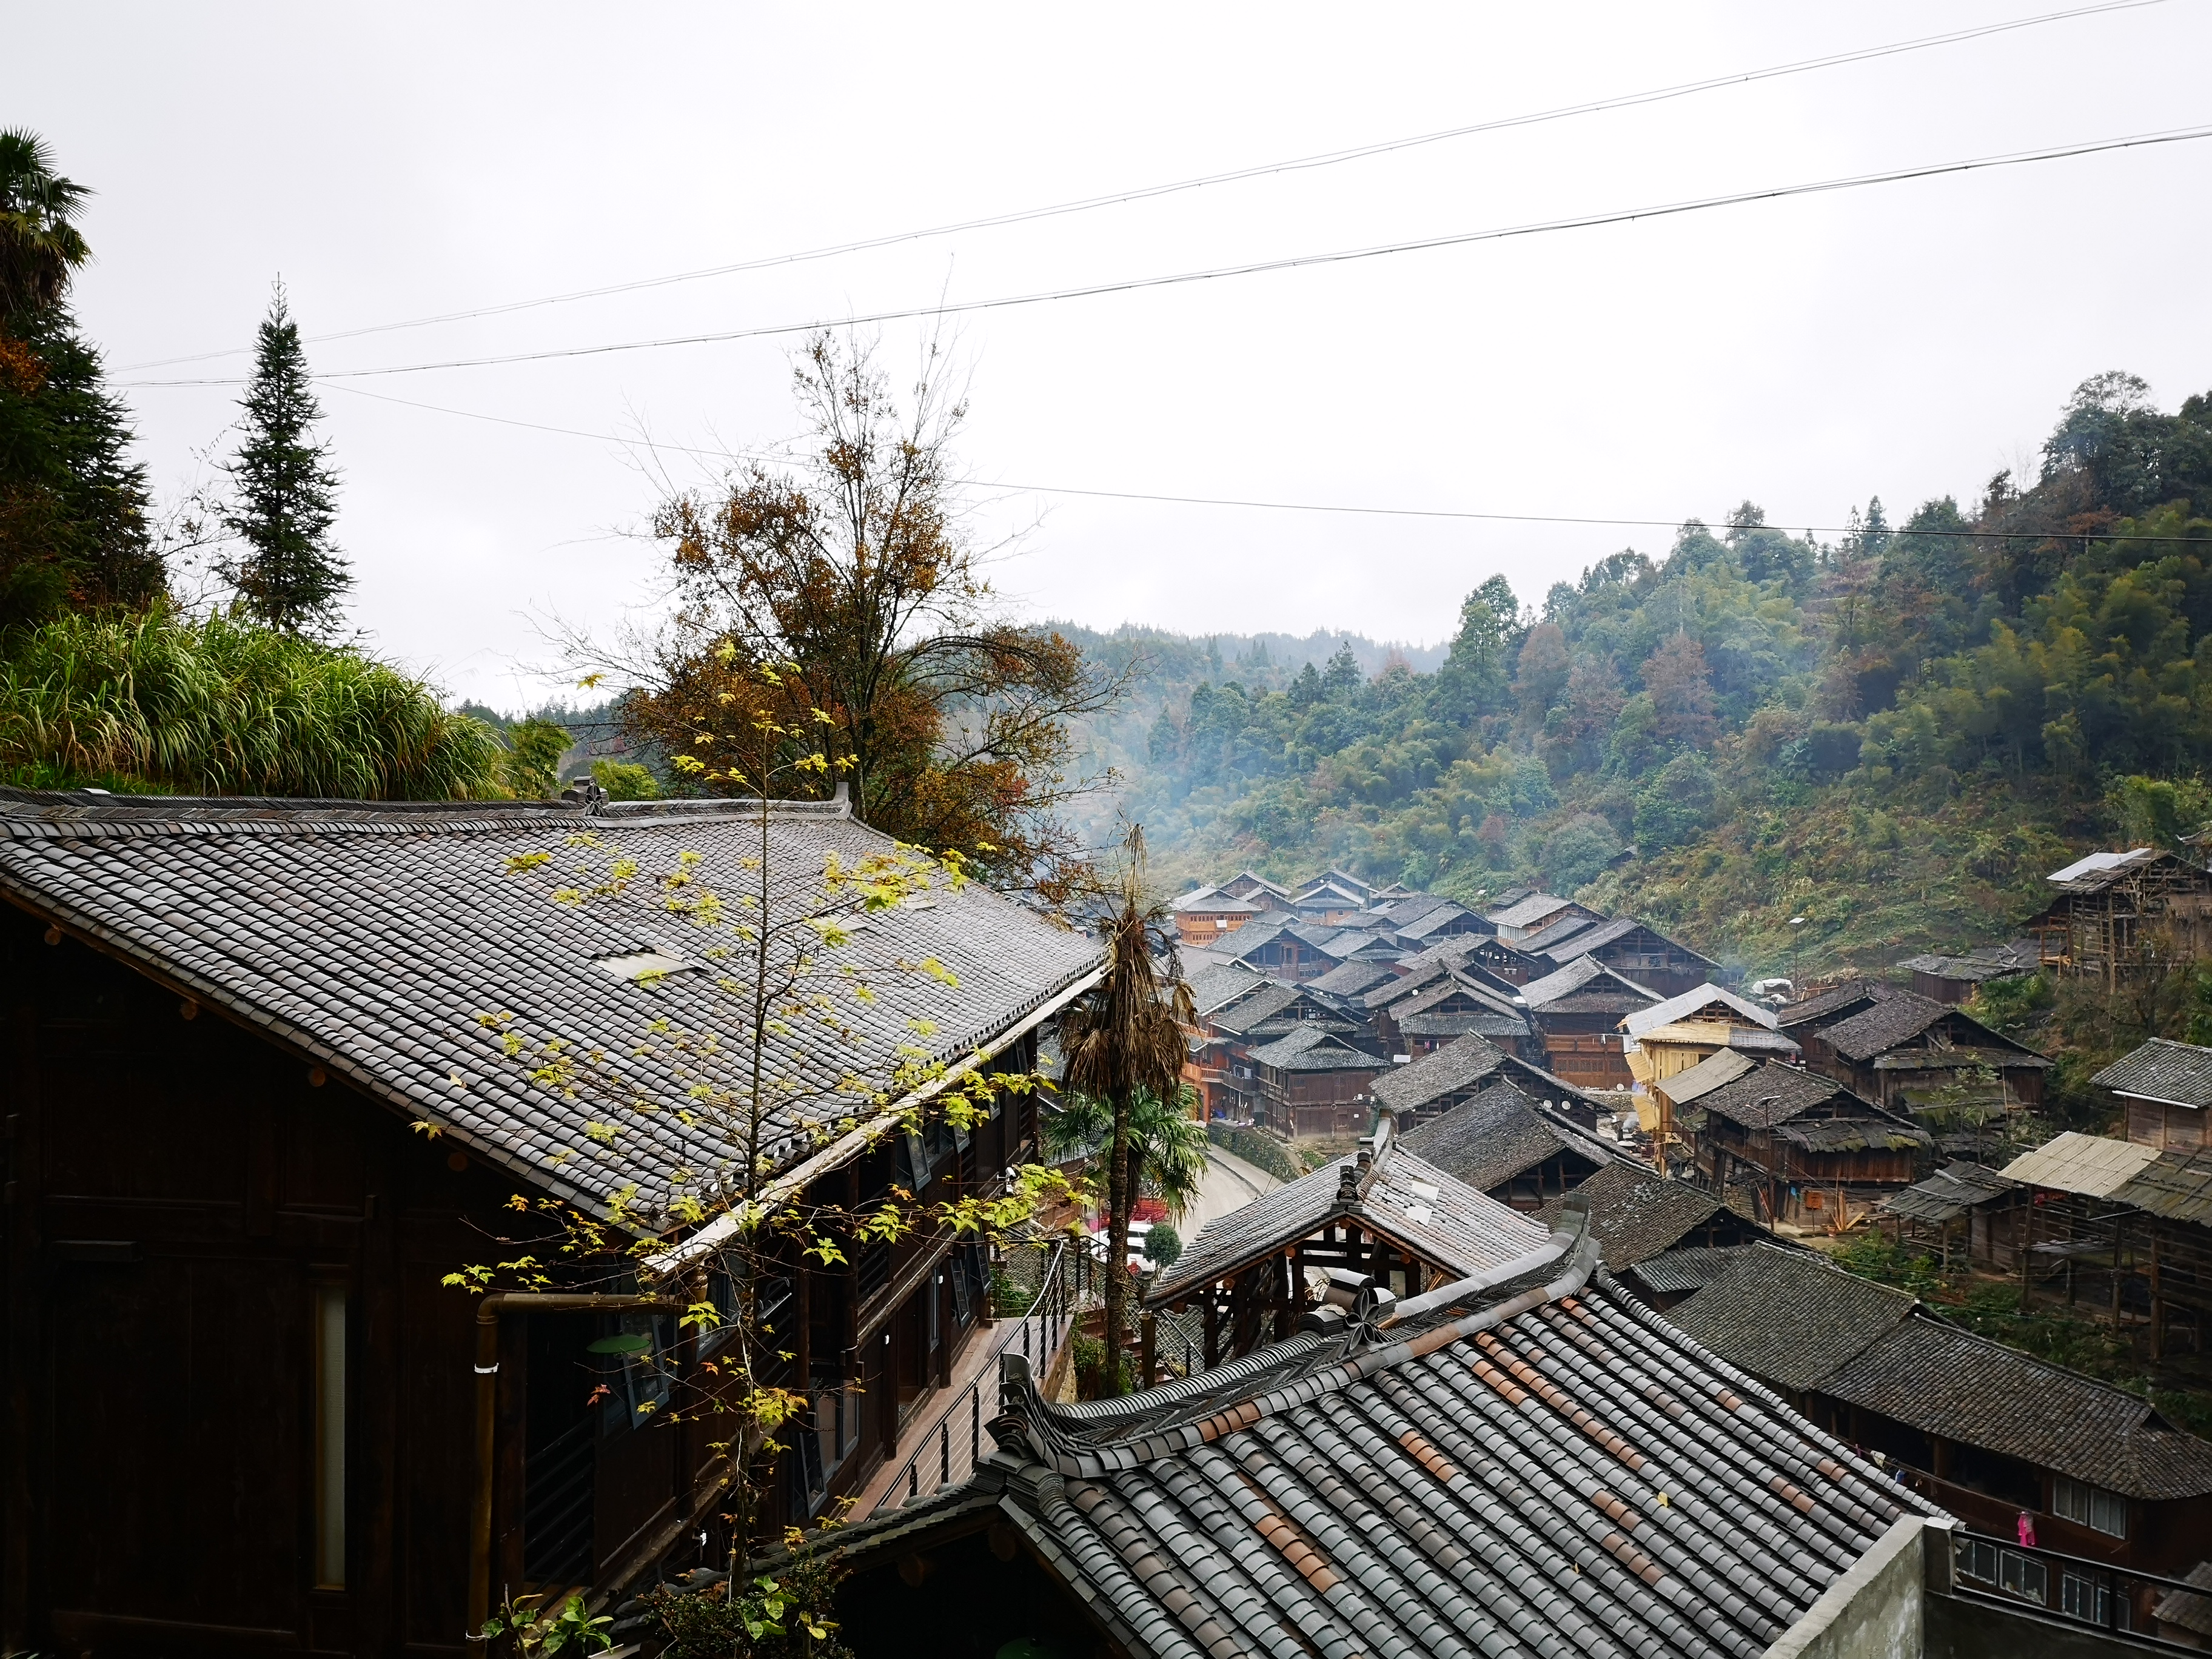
[1212, 1327]
[1147, 1348]
[2157, 1300]
[2119, 1238]
[2027, 1251]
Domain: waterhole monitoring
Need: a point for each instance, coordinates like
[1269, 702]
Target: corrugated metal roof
[2095, 862]
[2092, 1165]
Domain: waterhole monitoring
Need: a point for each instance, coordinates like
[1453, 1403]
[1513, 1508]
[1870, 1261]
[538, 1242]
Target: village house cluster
[1537, 1360]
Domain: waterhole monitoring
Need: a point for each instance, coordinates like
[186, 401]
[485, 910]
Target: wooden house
[1664, 1237]
[1383, 1212]
[1911, 1053]
[1804, 1144]
[2164, 1090]
[1416, 924]
[1448, 1008]
[260, 1106]
[1509, 1146]
[2112, 915]
[1437, 1081]
[1674, 1036]
[1957, 979]
[1633, 949]
[1534, 913]
[1248, 885]
[1328, 898]
[1206, 917]
[1468, 1475]
[1312, 1082]
[1981, 1429]
[1577, 1013]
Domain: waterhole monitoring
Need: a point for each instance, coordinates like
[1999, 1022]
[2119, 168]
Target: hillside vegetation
[1895, 734]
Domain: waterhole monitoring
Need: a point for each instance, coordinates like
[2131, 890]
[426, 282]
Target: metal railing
[2071, 1588]
[1067, 1280]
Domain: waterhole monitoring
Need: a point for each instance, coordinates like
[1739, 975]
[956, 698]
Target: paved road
[1230, 1184]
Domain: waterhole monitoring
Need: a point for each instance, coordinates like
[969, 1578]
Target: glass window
[2024, 1576]
[1978, 1559]
[2089, 1506]
[330, 1334]
[2090, 1599]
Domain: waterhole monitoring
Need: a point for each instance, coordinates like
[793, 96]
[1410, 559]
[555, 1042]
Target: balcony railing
[2065, 1587]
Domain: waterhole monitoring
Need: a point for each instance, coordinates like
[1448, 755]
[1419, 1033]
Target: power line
[1585, 222]
[1008, 486]
[1146, 192]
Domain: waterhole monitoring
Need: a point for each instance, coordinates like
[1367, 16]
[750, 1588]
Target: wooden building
[1981, 1429]
[1510, 1147]
[243, 1403]
[2112, 915]
[1472, 1477]
[1664, 1237]
[1449, 1007]
[1313, 1082]
[1439, 1080]
[1532, 913]
[1955, 980]
[1911, 1053]
[1383, 1212]
[1804, 1144]
[1633, 949]
[1207, 916]
[2164, 1090]
[1577, 1013]
[1664, 1038]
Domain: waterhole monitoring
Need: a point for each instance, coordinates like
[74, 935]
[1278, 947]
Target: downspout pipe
[489, 1309]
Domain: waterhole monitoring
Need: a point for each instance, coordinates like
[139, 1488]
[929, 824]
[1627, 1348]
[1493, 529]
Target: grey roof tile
[372, 935]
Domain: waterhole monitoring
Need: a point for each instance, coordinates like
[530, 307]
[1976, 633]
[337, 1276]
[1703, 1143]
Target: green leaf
[627, 1343]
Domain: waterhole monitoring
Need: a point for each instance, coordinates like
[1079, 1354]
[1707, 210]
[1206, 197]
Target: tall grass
[160, 703]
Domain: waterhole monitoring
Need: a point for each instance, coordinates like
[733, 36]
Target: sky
[1906, 340]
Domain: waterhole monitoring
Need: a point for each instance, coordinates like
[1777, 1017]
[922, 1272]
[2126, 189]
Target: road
[1231, 1183]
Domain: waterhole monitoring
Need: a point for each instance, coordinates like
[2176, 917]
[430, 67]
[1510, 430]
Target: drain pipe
[489, 1309]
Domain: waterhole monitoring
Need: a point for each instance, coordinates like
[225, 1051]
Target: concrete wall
[1873, 1612]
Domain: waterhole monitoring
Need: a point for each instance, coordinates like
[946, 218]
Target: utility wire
[1136, 284]
[1146, 192]
[1013, 489]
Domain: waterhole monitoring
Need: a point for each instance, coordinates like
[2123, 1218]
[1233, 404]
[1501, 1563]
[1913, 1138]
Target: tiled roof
[1401, 1195]
[1437, 1073]
[2177, 1073]
[372, 936]
[2190, 1611]
[1263, 1004]
[1310, 1048]
[1636, 1212]
[1769, 1094]
[1692, 1267]
[1900, 1017]
[1950, 1192]
[1250, 940]
[1583, 975]
[1977, 969]
[1211, 901]
[1550, 1472]
[1429, 922]
[1689, 1002]
[1441, 991]
[1402, 911]
[2092, 1165]
[1349, 979]
[1486, 1024]
[1837, 1003]
[1556, 934]
[1214, 989]
[1535, 907]
[1606, 933]
[1788, 1316]
[1497, 1134]
[1944, 1381]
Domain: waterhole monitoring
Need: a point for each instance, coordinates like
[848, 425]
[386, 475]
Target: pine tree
[291, 575]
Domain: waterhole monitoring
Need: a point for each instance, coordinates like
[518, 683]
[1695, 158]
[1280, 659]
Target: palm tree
[1167, 1144]
[1124, 1041]
[40, 246]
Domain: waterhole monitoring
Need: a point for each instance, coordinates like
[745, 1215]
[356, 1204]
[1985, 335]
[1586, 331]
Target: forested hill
[1896, 734]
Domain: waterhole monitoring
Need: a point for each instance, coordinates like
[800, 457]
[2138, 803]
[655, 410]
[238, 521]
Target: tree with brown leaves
[1124, 1040]
[854, 564]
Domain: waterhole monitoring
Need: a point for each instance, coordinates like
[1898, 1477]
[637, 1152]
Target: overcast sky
[397, 162]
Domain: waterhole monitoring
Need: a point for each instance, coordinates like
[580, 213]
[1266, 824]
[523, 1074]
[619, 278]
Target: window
[2024, 1576]
[2089, 1506]
[2091, 1599]
[330, 1337]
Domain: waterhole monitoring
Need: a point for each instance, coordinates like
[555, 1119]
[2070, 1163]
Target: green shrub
[160, 703]
[1162, 1244]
